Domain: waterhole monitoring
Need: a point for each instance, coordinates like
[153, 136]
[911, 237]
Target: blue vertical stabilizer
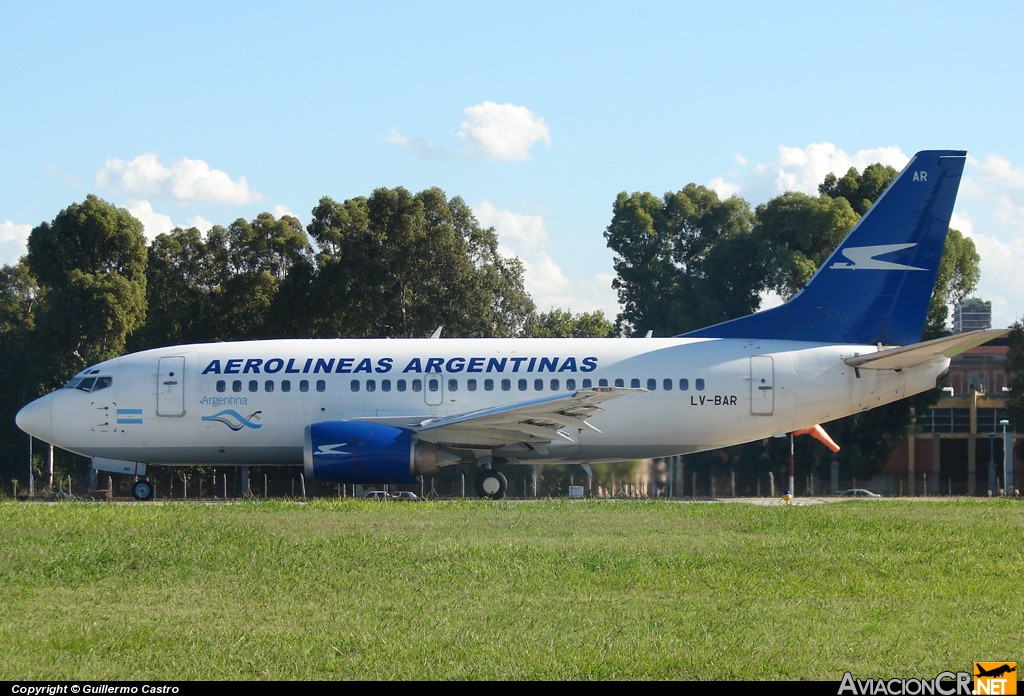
[877, 285]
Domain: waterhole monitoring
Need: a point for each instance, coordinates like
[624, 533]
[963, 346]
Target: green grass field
[481, 590]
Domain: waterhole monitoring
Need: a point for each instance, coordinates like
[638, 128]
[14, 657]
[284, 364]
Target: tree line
[400, 264]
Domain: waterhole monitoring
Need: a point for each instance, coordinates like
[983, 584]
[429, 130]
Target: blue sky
[536, 114]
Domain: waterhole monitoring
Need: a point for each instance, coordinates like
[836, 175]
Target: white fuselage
[249, 403]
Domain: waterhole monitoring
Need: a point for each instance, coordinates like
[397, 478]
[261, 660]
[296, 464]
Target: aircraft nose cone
[36, 419]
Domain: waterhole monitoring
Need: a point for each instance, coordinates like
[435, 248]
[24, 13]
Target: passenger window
[321, 385]
[652, 384]
[684, 384]
[385, 385]
[286, 385]
[354, 385]
[667, 384]
[371, 385]
[699, 383]
[433, 384]
[588, 383]
[471, 384]
[254, 385]
[634, 383]
[236, 385]
[400, 385]
[522, 385]
[417, 385]
[221, 386]
[570, 384]
[506, 385]
[554, 385]
[620, 382]
[268, 385]
[453, 385]
[303, 385]
[538, 385]
[602, 382]
[488, 385]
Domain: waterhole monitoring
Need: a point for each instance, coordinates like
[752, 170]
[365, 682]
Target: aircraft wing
[919, 353]
[535, 422]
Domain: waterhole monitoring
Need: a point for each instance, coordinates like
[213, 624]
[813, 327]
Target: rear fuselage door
[170, 387]
[762, 385]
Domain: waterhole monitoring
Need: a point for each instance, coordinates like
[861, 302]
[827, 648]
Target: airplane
[381, 411]
[999, 671]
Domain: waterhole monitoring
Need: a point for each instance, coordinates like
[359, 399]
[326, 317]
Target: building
[957, 447]
[972, 314]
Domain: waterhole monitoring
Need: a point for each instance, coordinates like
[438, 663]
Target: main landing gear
[491, 483]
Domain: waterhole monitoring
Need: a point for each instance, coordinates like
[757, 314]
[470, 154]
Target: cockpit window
[89, 384]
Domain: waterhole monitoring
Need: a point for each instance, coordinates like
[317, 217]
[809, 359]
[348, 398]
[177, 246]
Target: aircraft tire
[491, 484]
[143, 490]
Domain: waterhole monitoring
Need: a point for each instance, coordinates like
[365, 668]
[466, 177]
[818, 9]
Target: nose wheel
[143, 490]
[491, 484]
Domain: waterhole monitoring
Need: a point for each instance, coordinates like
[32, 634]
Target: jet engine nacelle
[358, 452]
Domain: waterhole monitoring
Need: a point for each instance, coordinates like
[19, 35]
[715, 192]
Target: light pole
[1007, 460]
[992, 463]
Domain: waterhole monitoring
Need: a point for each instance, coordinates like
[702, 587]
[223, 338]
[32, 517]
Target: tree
[178, 289]
[861, 190]
[19, 374]
[959, 273]
[683, 261]
[797, 232]
[91, 267]
[560, 323]
[251, 262]
[402, 264]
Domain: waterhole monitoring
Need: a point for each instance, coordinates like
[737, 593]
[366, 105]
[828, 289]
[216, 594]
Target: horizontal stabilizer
[920, 353]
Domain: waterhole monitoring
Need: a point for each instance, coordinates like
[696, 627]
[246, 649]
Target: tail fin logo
[332, 450]
[866, 258]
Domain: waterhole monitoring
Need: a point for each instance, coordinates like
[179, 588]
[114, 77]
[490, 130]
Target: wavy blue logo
[235, 420]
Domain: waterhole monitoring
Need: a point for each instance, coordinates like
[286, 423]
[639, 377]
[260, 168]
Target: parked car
[404, 495]
[376, 495]
[859, 493]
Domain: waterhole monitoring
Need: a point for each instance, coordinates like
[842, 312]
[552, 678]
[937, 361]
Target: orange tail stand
[819, 434]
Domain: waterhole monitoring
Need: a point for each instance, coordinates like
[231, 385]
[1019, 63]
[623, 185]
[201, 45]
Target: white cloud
[199, 222]
[417, 146]
[802, 169]
[723, 188]
[524, 236]
[992, 202]
[13, 242]
[153, 223]
[280, 211]
[185, 181]
[502, 131]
